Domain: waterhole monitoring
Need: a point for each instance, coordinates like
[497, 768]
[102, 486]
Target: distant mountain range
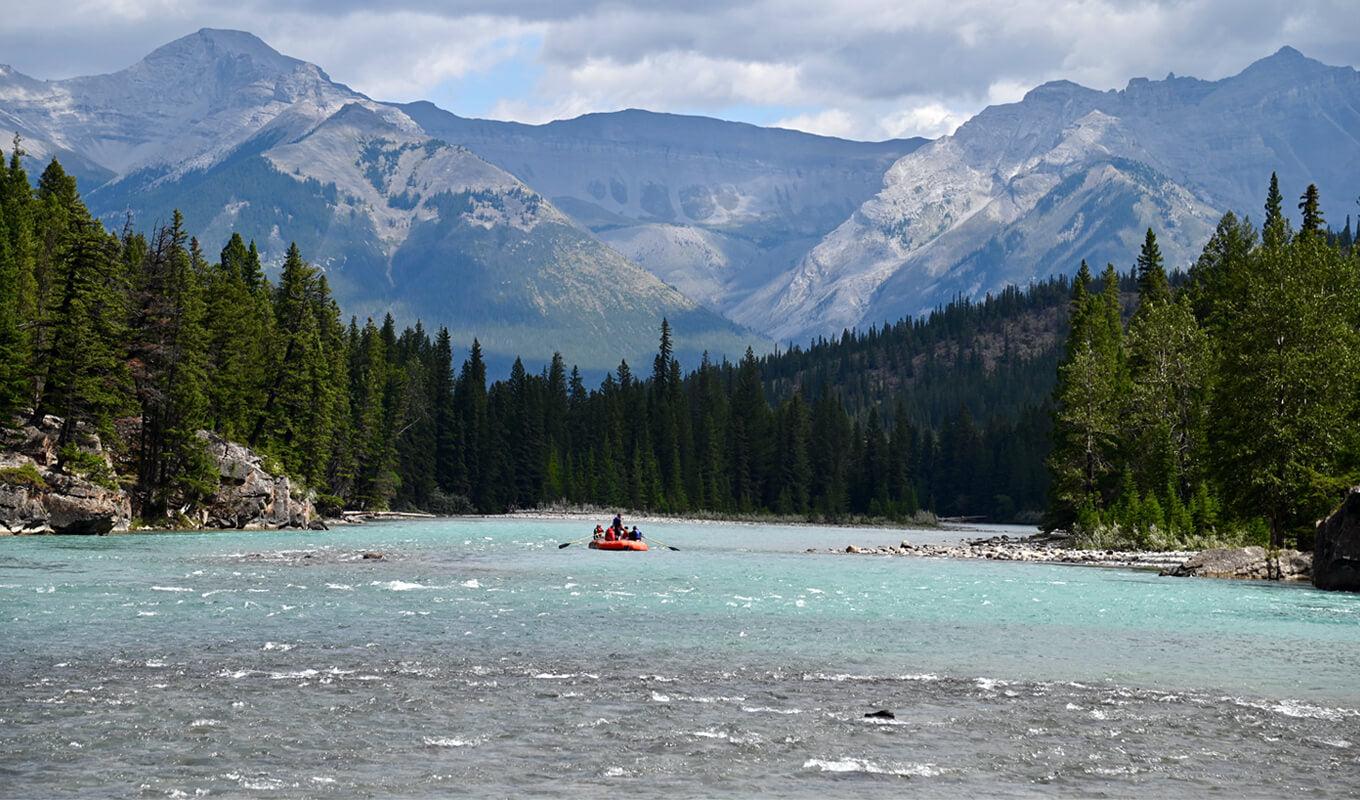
[580, 235]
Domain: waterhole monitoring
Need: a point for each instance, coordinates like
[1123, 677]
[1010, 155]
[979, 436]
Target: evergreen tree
[1169, 366]
[83, 374]
[239, 324]
[13, 342]
[1312, 212]
[167, 361]
[1152, 283]
[1087, 403]
[1275, 229]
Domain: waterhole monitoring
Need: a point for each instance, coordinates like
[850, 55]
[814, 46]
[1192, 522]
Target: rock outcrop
[1249, 563]
[1336, 547]
[249, 496]
[34, 498]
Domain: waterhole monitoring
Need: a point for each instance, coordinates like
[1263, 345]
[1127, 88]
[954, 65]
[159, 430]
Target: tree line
[1226, 408]
[1217, 403]
[146, 340]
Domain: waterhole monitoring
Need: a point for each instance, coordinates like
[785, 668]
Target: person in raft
[617, 527]
[635, 534]
[599, 531]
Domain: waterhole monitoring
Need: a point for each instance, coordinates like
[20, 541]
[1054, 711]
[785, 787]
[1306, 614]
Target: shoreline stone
[1336, 552]
[36, 499]
[1247, 563]
[1041, 548]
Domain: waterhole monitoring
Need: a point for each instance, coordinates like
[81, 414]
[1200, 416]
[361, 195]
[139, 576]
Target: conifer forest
[1135, 408]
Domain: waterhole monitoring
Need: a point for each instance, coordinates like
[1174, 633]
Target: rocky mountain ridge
[1027, 190]
[580, 235]
[240, 138]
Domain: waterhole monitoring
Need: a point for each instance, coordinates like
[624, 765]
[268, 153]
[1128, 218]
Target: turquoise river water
[479, 659]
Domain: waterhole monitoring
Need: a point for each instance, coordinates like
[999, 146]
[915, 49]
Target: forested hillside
[1226, 405]
[145, 339]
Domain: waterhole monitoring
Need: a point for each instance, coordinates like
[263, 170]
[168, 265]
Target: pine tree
[1087, 402]
[1219, 277]
[1312, 212]
[13, 342]
[167, 360]
[446, 455]
[1152, 283]
[1275, 229]
[1169, 367]
[296, 419]
[240, 325]
[374, 448]
[83, 374]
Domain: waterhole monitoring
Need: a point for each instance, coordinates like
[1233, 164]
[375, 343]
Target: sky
[858, 69]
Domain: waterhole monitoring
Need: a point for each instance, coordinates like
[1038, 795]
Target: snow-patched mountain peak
[1026, 190]
[210, 46]
[184, 106]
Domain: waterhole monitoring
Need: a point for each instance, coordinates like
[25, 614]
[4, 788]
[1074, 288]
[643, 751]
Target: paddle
[574, 541]
[663, 544]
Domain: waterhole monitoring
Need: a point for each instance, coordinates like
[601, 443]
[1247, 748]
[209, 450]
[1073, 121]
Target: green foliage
[25, 475]
[93, 467]
[1238, 422]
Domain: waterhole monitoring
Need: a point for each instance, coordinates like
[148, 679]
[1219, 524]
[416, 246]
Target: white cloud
[831, 122]
[930, 120]
[860, 68]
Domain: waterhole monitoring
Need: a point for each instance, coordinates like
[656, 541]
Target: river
[478, 658]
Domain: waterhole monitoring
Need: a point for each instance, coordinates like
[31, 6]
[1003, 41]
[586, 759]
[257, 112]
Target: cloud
[860, 68]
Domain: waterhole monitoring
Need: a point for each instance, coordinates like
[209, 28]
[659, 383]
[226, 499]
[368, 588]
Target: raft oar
[574, 541]
[663, 544]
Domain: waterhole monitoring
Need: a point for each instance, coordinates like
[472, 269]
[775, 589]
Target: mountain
[581, 235]
[1027, 190]
[717, 209]
[241, 138]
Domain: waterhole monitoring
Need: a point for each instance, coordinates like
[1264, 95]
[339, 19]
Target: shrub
[26, 475]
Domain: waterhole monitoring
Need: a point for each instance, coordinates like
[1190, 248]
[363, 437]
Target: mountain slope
[241, 138]
[1027, 190]
[715, 208]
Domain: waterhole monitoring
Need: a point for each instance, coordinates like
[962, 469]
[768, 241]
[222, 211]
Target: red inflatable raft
[625, 544]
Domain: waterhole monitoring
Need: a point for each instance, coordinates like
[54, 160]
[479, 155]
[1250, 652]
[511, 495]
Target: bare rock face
[1250, 563]
[36, 499]
[248, 496]
[1336, 547]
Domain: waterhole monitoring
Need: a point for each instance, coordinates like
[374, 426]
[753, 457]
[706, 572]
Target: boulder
[1249, 563]
[35, 499]
[249, 496]
[78, 506]
[1336, 547]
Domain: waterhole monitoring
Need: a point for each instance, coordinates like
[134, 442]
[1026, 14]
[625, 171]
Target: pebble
[1006, 549]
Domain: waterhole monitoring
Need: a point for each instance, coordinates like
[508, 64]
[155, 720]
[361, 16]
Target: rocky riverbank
[1038, 548]
[1246, 563]
[37, 497]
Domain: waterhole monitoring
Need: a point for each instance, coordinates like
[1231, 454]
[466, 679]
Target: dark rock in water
[1336, 547]
[1250, 563]
[373, 555]
[882, 713]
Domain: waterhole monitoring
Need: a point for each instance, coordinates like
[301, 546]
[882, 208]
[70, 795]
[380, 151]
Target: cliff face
[37, 498]
[250, 497]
